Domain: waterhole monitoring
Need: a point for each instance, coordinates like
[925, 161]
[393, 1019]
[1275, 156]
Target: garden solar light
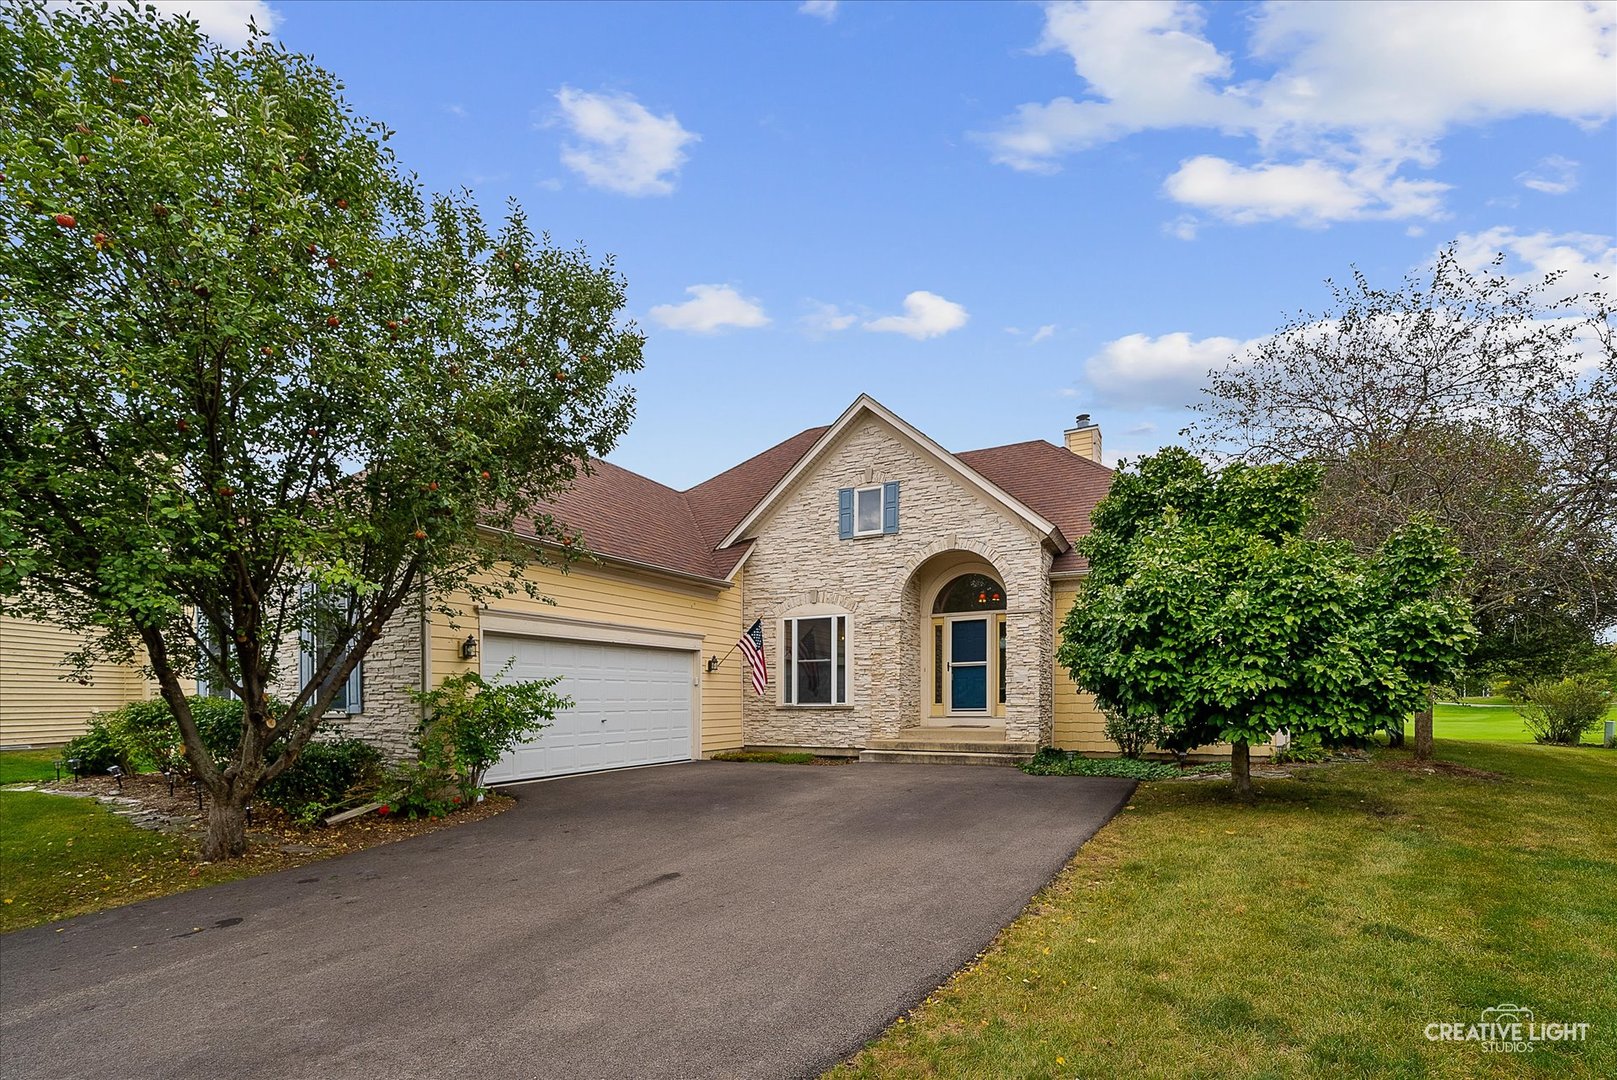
[76, 766]
[117, 774]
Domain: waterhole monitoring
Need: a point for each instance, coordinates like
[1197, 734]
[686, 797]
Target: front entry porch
[984, 744]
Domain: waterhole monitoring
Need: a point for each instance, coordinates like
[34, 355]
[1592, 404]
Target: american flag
[752, 644]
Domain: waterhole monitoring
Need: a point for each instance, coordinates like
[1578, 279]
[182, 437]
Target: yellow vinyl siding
[38, 707]
[631, 600]
[1078, 723]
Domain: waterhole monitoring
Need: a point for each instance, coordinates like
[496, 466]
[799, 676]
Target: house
[909, 600]
[41, 702]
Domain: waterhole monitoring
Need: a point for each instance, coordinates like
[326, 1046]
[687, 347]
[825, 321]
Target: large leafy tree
[1471, 397]
[252, 380]
[1208, 607]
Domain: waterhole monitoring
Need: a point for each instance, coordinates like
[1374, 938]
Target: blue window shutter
[889, 507]
[356, 682]
[845, 514]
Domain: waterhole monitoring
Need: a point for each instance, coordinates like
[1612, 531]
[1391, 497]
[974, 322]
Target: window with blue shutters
[349, 697]
[867, 511]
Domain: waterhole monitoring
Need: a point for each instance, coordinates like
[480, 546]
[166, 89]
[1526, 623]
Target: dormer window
[867, 511]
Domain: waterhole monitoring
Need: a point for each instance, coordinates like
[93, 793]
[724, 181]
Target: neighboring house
[41, 703]
[910, 601]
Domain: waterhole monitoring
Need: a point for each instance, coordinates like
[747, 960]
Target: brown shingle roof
[627, 516]
[1052, 481]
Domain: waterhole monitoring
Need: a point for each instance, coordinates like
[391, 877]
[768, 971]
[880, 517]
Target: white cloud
[225, 21]
[1312, 192]
[820, 9]
[1183, 227]
[1350, 93]
[825, 319]
[1169, 370]
[1554, 175]
[620, 145]
[1585, 261]
[926, 315]
[711, 308]
[457, 111]
[1043, 333]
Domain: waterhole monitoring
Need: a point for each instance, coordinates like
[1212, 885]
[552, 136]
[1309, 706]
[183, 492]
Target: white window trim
[783, 675]
[881, 509]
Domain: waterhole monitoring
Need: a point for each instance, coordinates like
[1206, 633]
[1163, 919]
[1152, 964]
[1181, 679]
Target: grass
[62, 856]
[774, 757]
[1491, 720]
[21, 766]
[1315, 935]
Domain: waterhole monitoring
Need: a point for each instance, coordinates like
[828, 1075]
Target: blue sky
[990, 217]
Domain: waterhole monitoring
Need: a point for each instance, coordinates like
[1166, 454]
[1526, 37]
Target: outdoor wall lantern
[468, 648]
[712, 664]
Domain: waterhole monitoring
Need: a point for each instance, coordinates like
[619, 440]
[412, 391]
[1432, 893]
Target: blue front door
[968, 665]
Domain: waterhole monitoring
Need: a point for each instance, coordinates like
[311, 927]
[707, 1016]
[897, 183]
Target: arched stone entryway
[954, 611]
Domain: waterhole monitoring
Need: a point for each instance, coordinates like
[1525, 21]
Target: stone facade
[886, 584]
[391, 669]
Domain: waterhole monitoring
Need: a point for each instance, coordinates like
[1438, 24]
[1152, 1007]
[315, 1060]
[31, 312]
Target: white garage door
[632, 705]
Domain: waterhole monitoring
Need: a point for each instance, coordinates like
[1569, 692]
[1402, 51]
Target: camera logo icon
[1507, 1013]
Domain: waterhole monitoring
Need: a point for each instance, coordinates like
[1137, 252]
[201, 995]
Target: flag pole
[715, 663]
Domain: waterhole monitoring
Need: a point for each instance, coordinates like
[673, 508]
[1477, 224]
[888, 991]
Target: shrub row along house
[908, 599]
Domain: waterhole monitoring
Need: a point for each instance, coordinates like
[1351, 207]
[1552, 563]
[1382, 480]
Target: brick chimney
[1084, 438]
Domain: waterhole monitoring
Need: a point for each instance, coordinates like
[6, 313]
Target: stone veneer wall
[390, 670]
[882, 581]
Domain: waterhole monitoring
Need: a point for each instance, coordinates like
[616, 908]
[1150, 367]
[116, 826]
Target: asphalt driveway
[702, 920]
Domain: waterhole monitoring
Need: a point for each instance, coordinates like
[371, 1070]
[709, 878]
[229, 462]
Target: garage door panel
[632, 705]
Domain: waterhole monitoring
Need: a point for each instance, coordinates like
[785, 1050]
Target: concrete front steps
[948, 746]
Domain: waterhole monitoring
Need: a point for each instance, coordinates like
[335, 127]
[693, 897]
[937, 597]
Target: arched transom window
[970, 592]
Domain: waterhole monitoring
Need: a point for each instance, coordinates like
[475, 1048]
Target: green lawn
[17, 766]
[62, 856]
[1491, 720]
[1315, 935]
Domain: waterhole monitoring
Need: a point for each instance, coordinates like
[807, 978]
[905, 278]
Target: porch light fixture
[712, 664]
[468, 648]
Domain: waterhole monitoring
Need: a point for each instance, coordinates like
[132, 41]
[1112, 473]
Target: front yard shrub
[1561, 710]
[471, 723]
[327, 776]
[1303, 747]
[1133, 734]
[148, 736]
[97, 750]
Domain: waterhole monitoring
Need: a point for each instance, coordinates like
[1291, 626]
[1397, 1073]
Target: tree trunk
[227, 830]
[1423, 728]
[1241, 772]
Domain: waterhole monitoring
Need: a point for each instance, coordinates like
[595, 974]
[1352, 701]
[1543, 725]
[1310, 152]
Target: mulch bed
[275, 841]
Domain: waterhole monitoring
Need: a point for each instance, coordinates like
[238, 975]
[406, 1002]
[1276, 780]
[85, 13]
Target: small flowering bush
[471, 723]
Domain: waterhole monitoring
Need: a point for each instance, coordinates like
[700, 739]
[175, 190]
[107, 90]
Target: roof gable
[866, 405]
[701, 532]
